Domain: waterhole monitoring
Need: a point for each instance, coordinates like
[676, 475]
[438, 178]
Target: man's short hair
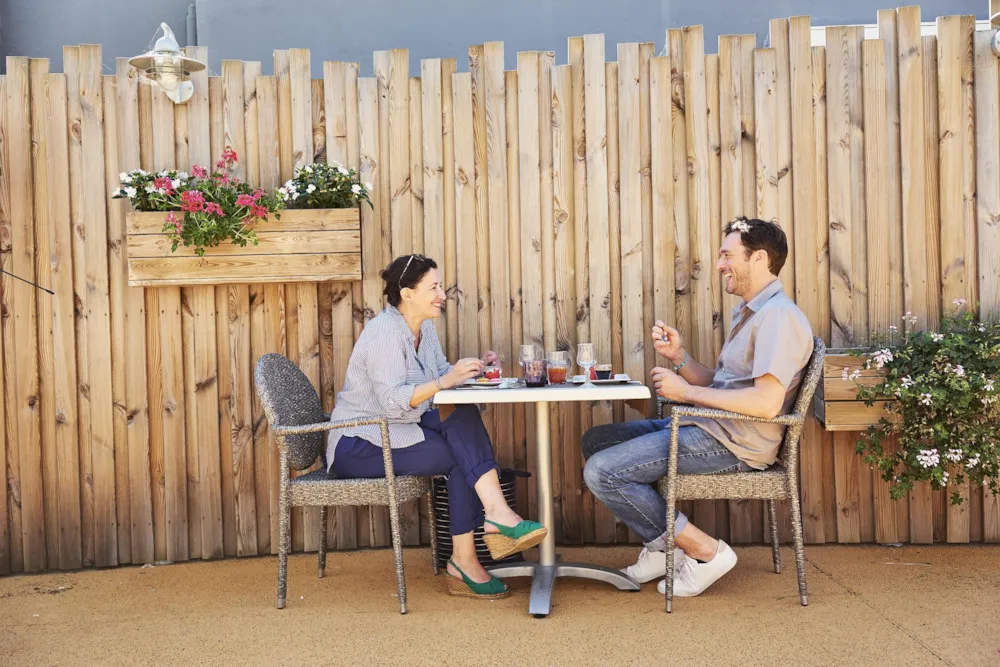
[763, 235]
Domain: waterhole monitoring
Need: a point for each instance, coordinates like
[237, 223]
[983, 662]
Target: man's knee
[595, 439]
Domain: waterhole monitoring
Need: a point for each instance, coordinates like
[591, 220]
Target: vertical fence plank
[766, 112]
[519, 436]
[10, 533]
[988, 216]
[614, 231]
[529, 217]
[646, 53]
[20, 332]
[38, 72]
[747, 44]
[465, 213]
[731, 139]
[565, 289]
[957, 192]
[682, 258]
[663, 189]
[417, 173]
[448, 66]
[845, 150]
[630, 215]
[67, 483]
[432, 170]
[779, 33]
[400, 206]
[581, 258]
[117, 284]
[98, 320]
[888, 33]
[596, 133]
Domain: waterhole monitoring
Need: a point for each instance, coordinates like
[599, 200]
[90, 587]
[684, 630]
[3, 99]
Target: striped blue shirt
[384, 370]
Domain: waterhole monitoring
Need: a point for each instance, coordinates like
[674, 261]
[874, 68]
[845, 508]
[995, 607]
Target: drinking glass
[586, 359]
[558, 366]
[532, 366]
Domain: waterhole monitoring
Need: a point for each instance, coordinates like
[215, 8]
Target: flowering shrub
[325, 186]
[946, 390]
[215, 206]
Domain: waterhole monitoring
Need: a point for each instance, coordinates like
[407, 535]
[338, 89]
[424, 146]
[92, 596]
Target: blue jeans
[458, 447]
[625, 460]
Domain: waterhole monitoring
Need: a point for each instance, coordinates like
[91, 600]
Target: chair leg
[434, 539]
[671, 505]
[322, 541]
[775, 545]
[397, 553]
[284, 539]
[800, 555]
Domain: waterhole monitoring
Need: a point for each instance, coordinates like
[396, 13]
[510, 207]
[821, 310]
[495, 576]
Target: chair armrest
[709, 413]
[324, 426]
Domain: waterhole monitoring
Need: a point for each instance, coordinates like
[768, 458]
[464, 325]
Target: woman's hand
[464, 369]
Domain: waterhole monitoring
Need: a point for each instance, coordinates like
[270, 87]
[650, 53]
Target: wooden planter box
[314, 245]
[836, 403]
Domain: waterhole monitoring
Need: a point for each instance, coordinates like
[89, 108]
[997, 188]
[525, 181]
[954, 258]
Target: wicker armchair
[299, 424]
[780, 481]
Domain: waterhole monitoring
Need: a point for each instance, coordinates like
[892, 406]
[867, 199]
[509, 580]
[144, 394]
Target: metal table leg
[545, 572]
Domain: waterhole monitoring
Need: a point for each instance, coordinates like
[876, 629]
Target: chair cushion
[289, 399]
[765, 484]
[319, 488]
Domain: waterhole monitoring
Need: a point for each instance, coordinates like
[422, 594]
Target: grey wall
[253, 29]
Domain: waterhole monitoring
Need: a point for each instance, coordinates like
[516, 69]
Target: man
[758, 374]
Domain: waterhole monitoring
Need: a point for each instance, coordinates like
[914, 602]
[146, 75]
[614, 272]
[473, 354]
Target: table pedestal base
[543, 579]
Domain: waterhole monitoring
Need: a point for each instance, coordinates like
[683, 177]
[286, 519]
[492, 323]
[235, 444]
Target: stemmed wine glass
[586, 359]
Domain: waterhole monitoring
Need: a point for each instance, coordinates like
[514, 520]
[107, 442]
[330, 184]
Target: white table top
[551, 393]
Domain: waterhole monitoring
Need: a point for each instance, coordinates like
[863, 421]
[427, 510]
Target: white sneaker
[695, 577]
[653, 565]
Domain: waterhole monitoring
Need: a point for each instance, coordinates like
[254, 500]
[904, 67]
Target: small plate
[619, 378]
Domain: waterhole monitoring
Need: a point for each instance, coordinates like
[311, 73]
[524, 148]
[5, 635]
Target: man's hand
[464, 369]
[669, 385]
[490, 358]
[668, 342]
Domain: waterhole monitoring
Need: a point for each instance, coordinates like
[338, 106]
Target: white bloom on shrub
[959, 302]
[937, 338]
[925, 399]
[311, 189]
[283, 193]
[130, 192]
[881, 358]
[959, 371]
[356, 189]
[308, 169]
[944, 478]
[162, 173]
[954, 455]
[972, 462]
[989, 400]
[176, 183]
[907, 382]
[150, 189]
[982, 328]
[844, 375]
[295, 195]
[988, 386]
[343, 171]
[183, 175]
[856, 374]
[928, 458]
[124, 177]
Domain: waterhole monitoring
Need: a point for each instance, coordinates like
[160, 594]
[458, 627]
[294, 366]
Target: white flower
[928, 458]
[130, 192]
[283, 193]
[741, 226]
[893, 328]
[959, 302]
[307, 169]
[368, 185]
[944, 478]
[150, 189]
[988, 386]
[162, 174]
[176, 183]
[856, 374]
[959, 371]
[343, 171]
[843, 374]
[295, 195]
[183, 175]
[925, 399]
[311, 189]
[124, 177]
[907, 382]
[954, 455]
[982, 329]
[972, 462]
[989, 400]
[937, 338]
[881, 358]
[356, 189]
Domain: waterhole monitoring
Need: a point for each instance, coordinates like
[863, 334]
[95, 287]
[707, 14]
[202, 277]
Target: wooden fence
[565, 203]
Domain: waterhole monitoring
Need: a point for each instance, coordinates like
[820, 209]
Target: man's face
[735, 265]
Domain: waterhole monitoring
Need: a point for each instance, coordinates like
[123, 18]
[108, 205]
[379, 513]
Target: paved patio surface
[869, 605]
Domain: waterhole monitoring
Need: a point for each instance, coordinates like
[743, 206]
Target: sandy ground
[868, 606]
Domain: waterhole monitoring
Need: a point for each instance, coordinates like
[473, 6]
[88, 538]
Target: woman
[396, 368]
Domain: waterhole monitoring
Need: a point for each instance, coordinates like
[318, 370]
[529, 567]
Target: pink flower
[214, 208]
[222, 179]
[229, 158]
[245, 200]
[175, 221]
[164, 184]
[258, 193]
[259, 211]
[199, 172]
[193, 201]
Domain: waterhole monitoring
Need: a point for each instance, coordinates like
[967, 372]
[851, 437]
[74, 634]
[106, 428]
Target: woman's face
[427, 298]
